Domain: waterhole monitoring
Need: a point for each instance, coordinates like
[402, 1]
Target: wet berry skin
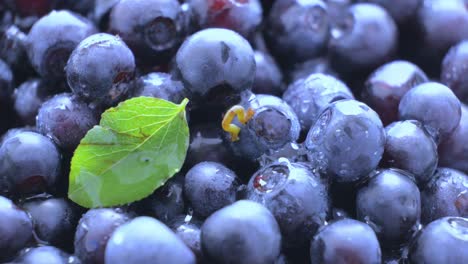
[55, 219]
[93, 231]
[210, 186]
[332, 244]
[160, 85]
[347, 141]
[273, 125]
[16, 229]
[435, 106]
[242, 16]
[311, 95]
[442, 241]
[152, 29]
[101, 69]
[215, 65]
[189, 231]
[161, 245]
[52, 39]
[411, 148]
[309, 67]
[66, 119]
[390, 203]
[353, 44]
[244, 232]
[46, 255]
[29, 163]
[453, 73]
[297, 30]
[387, 85]
[453, 151]
[297, 198]
[27, 99]
[445, 195]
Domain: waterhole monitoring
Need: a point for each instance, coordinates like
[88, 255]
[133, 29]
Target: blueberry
[13, 52]
[101, 69]
[6, 82]
[309, 67]
[29, 163]
[52, 39]
[273, 125]
[390, 203]
[347, 141]
[244, 232]
[445, 195]
[160, 85]
[65, 119]
[27, 99]
[15, 229]
[345, 241]
[145, 240]
[434, 105]
[210, 186]
[441, 24]
[453, 151]
[152, 29]
[46, 255]
[410, 147]
[268, 76]
[166, 203]
[215, 65]
[189, 231]
[296, 30]
[296, 197]
[93, 232]
[311, 95]
[353, 44]
[101, 12]
[387, 85]
[242, 16]
[54, 219]
[442, 241]
[402, 11]
[454, 70]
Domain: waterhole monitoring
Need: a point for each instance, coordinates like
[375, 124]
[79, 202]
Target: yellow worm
[243, 117]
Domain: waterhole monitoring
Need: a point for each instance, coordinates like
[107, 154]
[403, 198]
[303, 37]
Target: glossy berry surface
[296, 196]
[160, 85]
[442, 241]
[215, 65]
[268, 76]
[454, 70]
[16, 229]
[162, 245]
[27, 99]
[297, 30]
[242, 16]
[101, 69]
[453, 151]
[273, 125]
[54, 219]
[94, 230]
[210, 186]
[46, 255]
[434, 105]
[353, 44]
[52, 39]
[190, 233]
[445, 195]
[411, 148]
[244, 232]
[390, 202]
[153, 29]
[30, 163]
[311, 95]
[332, 244]
[387, 85]
[347, 141]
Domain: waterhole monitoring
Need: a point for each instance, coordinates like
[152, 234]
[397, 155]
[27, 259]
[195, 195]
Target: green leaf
[137, 147]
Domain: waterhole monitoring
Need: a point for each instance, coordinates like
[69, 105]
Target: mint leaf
[138, 145]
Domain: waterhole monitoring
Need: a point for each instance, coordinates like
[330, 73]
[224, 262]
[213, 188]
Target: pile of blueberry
[321, 131]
